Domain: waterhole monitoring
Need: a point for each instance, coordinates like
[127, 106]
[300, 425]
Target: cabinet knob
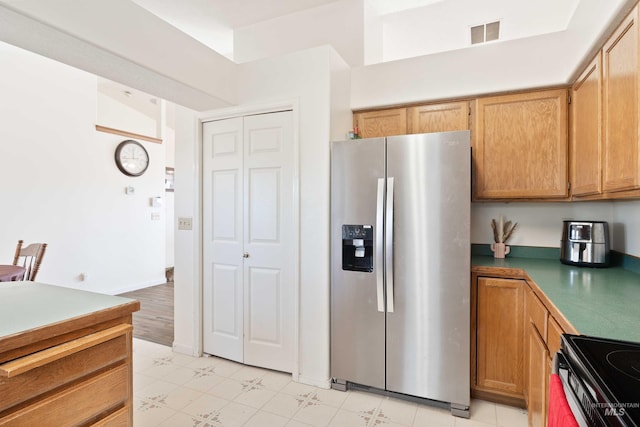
[245, 255]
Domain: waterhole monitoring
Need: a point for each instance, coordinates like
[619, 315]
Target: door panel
[264, 306]
[357, 327]
[428, 333]
[224, 204]
[222, 238]
[226, 298]
[264, 205]
[268, 241]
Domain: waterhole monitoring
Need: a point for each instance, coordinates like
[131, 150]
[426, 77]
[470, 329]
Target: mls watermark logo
[615, 409]
[613, 412]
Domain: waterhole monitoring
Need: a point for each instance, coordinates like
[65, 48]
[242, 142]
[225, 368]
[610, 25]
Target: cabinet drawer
[38, 373]
[77, 404]
[554, 332]
[537, 313]
[121, 418]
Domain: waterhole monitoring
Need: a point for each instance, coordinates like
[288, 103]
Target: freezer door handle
[379, 246]
[389, 245]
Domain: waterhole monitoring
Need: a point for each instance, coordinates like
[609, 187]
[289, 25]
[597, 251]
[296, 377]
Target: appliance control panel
[357, 248]
[357, 232]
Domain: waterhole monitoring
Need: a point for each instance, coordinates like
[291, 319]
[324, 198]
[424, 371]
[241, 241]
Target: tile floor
[176, 390]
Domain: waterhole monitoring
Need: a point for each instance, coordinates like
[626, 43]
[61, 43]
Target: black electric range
[604, 379]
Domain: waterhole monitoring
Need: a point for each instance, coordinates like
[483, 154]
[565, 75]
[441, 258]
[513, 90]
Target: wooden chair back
[29, 257]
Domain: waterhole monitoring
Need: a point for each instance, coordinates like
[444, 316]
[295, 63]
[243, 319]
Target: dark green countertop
[603, 302]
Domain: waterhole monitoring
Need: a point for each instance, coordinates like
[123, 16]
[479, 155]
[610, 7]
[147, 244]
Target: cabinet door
[374, 124]
[620, 107]
[586, 101]
[554, 336]
[439, 117]
[500, 336]
[520, 147]
[537, 383]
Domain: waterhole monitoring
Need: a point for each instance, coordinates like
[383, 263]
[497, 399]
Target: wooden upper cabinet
[520, 146]
[586, 131]
[620, 107]
[438, 117]
[372, 124]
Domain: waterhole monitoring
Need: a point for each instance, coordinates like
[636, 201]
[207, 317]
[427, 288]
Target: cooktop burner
[627, 362]
[611, 370]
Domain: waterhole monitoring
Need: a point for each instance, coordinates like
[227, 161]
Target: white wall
[510, 65]
[340, 24]
[306, 76]
[115, 114]
[83, 35]
[60, 184]
[187, 295]
[373, 51]
[441, 26]
[539, 224]
[169, 142]
[341, 115]
[546, 60]
[626, 227]
[309, 78]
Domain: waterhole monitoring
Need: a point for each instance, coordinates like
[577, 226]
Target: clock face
[131, 158]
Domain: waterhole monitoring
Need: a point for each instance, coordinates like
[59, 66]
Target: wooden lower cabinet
[514, 337]
[77, 372]
[500, 340]
[537, 378]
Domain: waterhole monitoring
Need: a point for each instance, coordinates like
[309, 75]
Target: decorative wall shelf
[128, 134]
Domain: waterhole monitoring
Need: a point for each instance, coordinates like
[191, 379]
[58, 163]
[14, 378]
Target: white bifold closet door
[248, 239]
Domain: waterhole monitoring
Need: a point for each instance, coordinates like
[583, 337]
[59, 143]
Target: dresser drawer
[30, 376]
[77, 404]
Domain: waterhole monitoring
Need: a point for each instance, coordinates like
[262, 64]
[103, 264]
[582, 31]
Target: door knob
[245, 255]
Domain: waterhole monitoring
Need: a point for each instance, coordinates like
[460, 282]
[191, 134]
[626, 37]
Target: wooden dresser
[65, 357]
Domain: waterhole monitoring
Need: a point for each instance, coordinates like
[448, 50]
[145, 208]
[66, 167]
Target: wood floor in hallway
[154, 321]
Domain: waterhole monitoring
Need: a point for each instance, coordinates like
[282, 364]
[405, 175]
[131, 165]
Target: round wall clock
[131, 158]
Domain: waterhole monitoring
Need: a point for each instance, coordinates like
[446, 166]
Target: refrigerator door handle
[379, 245]
[389, 245]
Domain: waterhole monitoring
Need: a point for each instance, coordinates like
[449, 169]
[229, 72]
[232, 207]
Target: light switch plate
[155, 216]
[185, 223]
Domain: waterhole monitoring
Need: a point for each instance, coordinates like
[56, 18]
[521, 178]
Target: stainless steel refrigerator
[400, 254]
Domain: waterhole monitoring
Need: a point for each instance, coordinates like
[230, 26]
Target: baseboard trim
[184, 349]
[161, 280]
[320, 383]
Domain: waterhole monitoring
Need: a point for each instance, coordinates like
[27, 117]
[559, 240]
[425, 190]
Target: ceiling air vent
[485, 32]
